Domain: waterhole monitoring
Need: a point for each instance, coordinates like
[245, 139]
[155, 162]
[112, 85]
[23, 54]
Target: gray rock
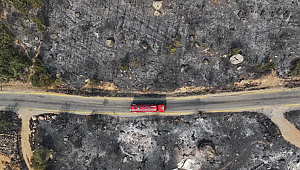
[77, 14]
[144, 45]
[110, 42]
[157, 5]
[236, 59]
[205, 61]
[157, 13]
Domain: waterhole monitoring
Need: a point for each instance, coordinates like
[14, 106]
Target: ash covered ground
[202, 141]
[188, 43]
[10, 140]
[294, 117]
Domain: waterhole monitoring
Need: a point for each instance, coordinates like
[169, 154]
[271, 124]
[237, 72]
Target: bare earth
[3, 161]
[288, 130]
[26, 149]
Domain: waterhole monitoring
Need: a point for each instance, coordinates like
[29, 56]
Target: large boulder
[236, 59]
[110, 42]
[157, 5]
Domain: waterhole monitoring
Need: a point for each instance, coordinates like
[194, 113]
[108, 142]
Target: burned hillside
[201, 141]
[162, 45]
[293, 117]
[10, 141]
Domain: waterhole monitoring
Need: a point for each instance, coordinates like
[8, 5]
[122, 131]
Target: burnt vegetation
[10, 139]
[295, 70]
[294, 117]
[209, 141]
[136, 45]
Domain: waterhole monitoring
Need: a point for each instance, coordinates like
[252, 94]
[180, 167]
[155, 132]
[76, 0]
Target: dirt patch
[4, 161]
[110, 89]
[292, 82]
[15, 85]
[267, 81]
[191, 89]
[109, 86]
[288, 129]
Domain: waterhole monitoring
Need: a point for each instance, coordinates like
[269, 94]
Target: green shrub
[269, 67]
[40, 78]
[172, 50]
[35, 3]
[39, 21]
[12, 62]
[40, 159]
[259, 68]
[123, 68]
[133, 64]
[94, 82]
[7, 120]
[295, 71]
[236, 51]
[58, 82]
[176, 38]
[175, 44]
[24, 5]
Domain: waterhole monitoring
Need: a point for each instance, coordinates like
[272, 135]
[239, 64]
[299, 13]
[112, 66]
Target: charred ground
[10, 140]
[211, 141]
[294, 117]
[188, 43]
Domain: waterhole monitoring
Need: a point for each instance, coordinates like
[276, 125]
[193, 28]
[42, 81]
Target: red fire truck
[147, 108]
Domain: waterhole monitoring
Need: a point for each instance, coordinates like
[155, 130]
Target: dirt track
[288, 129]
[26, 149]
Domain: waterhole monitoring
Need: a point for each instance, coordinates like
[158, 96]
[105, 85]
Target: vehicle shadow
[12, 107]
[150, 99]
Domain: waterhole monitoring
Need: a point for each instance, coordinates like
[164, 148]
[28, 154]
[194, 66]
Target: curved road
[236, 101]
[34, 103]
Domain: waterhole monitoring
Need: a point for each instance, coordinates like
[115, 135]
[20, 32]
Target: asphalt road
[49, 102]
